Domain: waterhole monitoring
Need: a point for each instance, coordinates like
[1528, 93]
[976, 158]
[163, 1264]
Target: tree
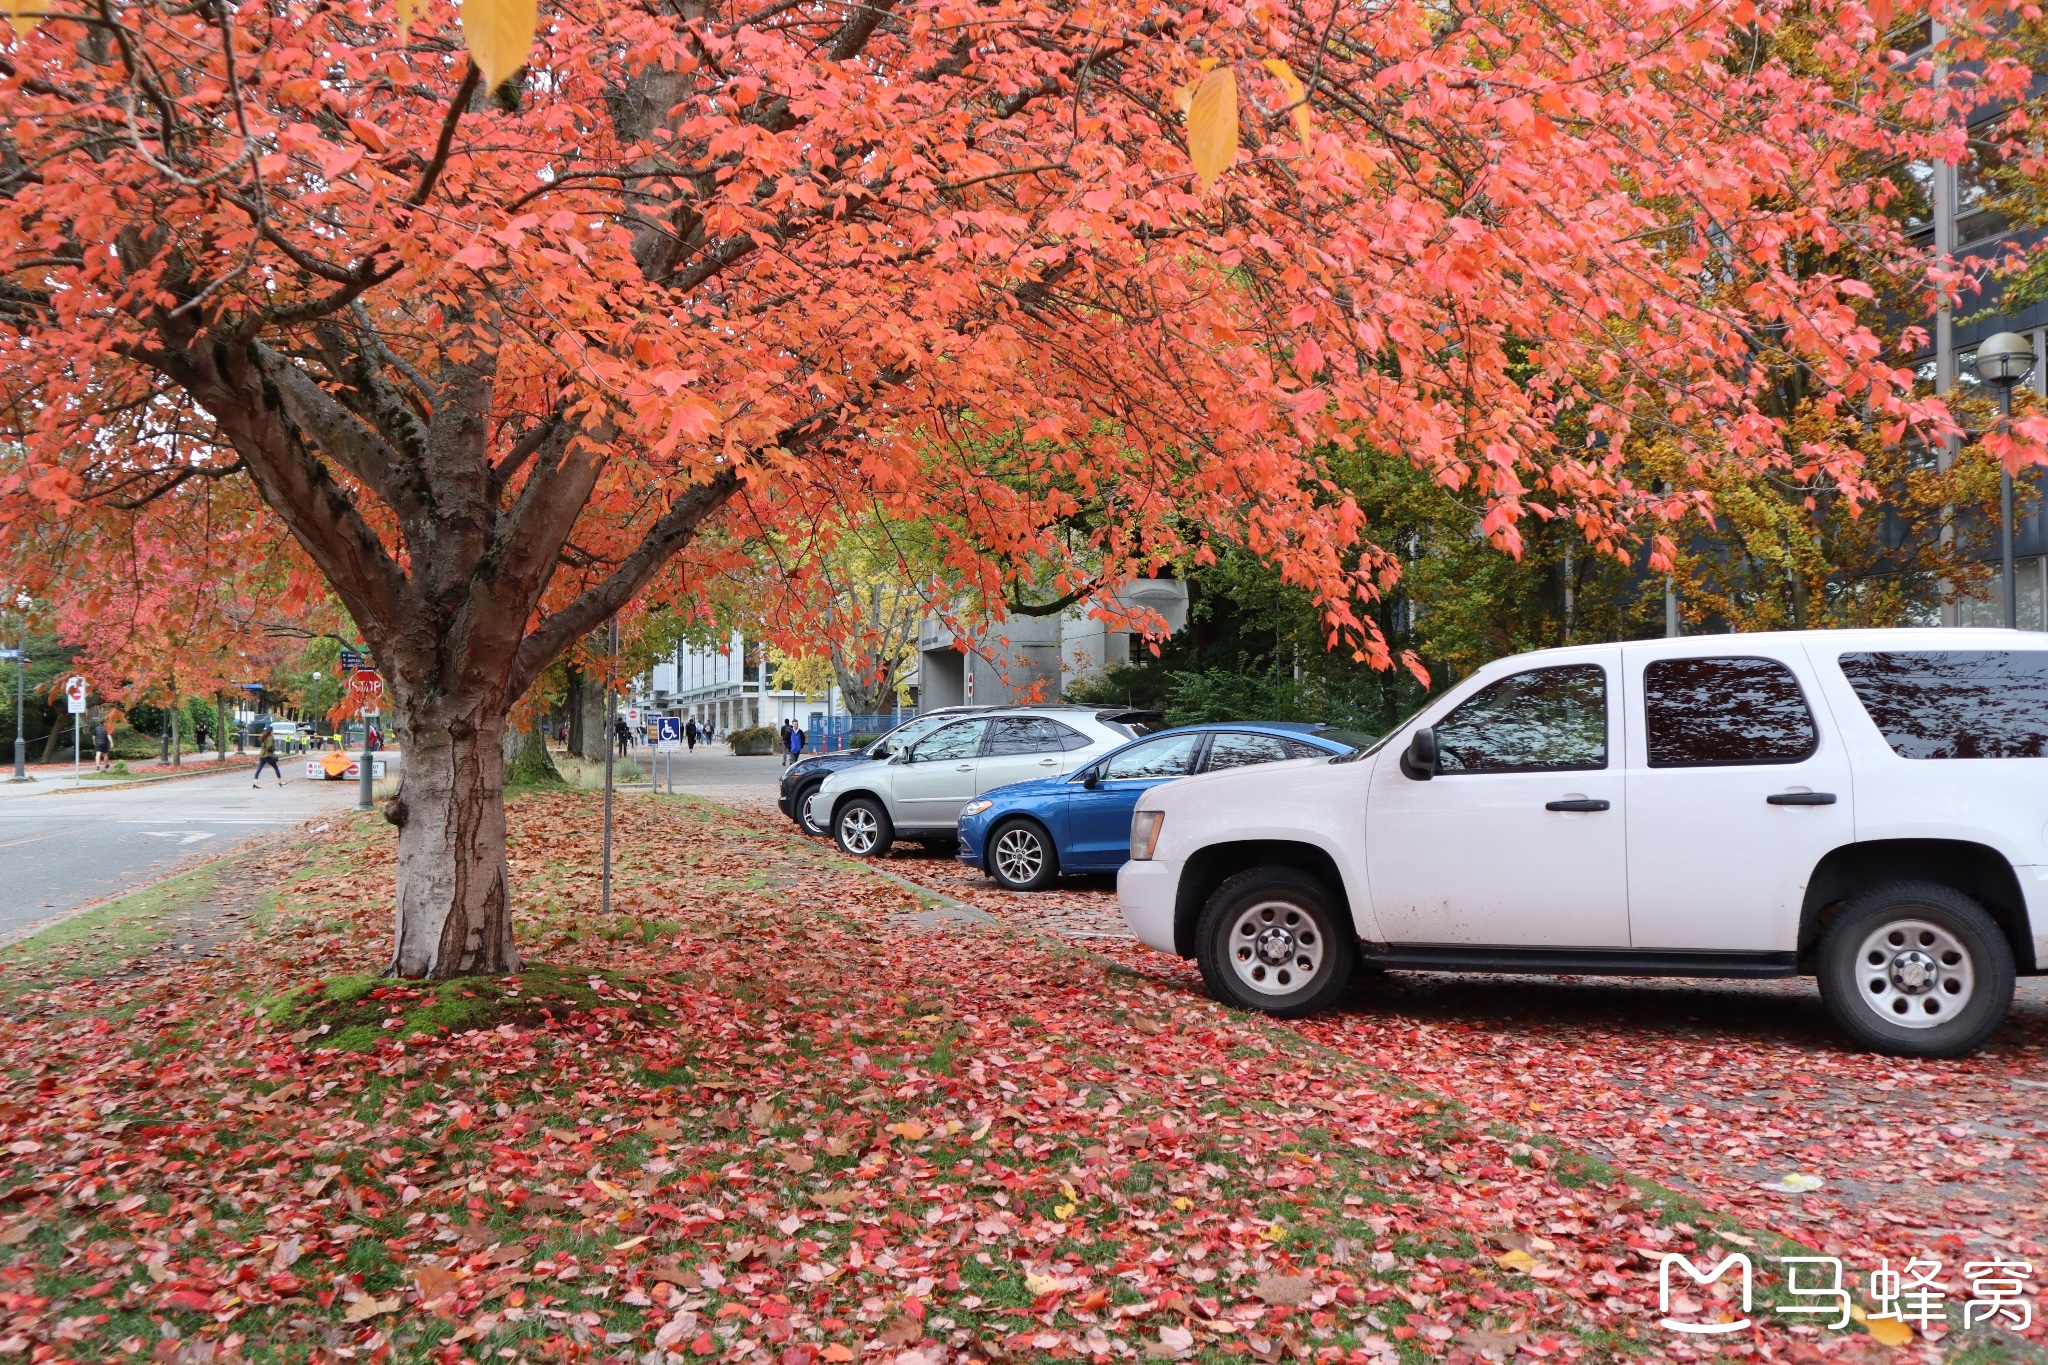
[497, 339]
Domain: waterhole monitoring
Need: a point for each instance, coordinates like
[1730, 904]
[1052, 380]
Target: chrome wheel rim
[1275, 947]
[859, 830]
[1913, 973]
[803, 814]
[1019, 855]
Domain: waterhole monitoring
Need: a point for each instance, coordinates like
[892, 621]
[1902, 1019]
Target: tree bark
[454, 903]
[595, 740]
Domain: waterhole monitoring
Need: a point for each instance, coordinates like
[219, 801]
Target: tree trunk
[572, 704]
[454, 911]
[595, 740]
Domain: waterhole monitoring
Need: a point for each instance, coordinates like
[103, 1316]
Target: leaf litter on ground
[787, 1118]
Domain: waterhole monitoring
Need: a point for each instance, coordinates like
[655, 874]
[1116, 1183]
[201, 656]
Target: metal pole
[367, 778]
[74, 748]
[1944, 207]
[2012, 607]
[611, 744]
[20, 700]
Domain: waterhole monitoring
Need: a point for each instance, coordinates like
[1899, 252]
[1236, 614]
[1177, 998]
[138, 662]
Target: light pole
[2002, 361]
[319, 717]
[22, 603]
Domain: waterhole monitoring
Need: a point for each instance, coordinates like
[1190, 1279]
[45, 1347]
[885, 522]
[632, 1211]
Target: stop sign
[366, 684]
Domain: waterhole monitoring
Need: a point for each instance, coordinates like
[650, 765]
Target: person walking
[624, 733]
[794, 745]
[199, 733]
[690, 733]
[267, 753]
[783, 740]
[102, 746]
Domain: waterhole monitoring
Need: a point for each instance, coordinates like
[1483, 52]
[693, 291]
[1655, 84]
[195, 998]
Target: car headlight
[1145, 832]
[974, 808]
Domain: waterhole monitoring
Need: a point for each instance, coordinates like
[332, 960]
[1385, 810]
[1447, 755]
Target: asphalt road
[60, 850]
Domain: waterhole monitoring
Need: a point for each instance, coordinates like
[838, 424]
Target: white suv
[1869, 807]
[917, 793]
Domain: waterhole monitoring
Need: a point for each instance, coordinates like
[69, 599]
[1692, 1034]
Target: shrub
[754, 741]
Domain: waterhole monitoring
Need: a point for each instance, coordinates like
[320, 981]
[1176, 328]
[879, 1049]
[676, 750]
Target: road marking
[31, 839]
[180, 835]
[218, 820]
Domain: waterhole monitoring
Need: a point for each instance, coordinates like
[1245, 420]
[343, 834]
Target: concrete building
[1037, 657]
[721, 684]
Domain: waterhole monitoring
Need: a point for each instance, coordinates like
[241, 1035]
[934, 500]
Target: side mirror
[1091, 779]
[900, 756]
[1418, 760]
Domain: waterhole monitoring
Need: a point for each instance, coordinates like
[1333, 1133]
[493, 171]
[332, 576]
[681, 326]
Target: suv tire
[862, 829]
[1271, 939]
[1020, 856]
[803, 810]
[1916, 969]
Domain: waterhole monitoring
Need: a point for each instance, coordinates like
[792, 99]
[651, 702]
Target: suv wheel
[1916, 969]
[1020, 856]
[862, 828]
[1271, 939]
[803, 811]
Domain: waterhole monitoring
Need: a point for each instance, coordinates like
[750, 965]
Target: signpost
[368, 689]
[668, 741]
[74, 700]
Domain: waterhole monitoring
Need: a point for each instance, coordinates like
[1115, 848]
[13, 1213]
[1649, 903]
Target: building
[1037, 658]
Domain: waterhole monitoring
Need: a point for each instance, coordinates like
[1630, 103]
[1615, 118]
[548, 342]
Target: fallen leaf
[1288, 1289]
[909, 1131]
[1889, 1331]
[367, 1307]
[17, 1233]
[1515, 1260]
[1036, 1285]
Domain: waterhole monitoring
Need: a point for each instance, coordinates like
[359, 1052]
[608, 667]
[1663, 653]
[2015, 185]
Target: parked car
[1026, 834]
[917, 792]
[1862, 806]
[801, 780]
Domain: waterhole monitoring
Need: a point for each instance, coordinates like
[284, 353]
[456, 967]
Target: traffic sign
[668, 734]
[74, 696]
[366, 685]
[10, 655]
[322, 769]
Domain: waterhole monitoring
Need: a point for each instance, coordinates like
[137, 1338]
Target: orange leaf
[1212, 126]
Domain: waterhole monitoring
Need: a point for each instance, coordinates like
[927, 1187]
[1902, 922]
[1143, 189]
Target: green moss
[351, 1013]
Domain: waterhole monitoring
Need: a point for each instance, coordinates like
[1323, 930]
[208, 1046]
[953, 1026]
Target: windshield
[1357, 739]
[1381, 742]
[906, 734]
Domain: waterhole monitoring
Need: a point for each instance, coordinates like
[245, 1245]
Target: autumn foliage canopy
[507, 332]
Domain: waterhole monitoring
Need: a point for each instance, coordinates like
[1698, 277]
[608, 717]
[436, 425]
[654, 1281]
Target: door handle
[964, 768]
[1801, 798]
[1048, 763]
[1578, 803]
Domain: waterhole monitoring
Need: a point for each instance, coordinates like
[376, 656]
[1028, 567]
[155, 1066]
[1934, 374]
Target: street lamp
[22, 603]
[2003, 361]
[319, 722]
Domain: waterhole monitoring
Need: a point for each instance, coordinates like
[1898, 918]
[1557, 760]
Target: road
[64, 849]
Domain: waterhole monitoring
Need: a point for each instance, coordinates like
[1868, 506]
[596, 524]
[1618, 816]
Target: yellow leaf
[1035, 1285]
[910, 1131]
[1297, 95]
[408, 12]
[17, 12]
[1183, 97]
[1212, 126]
[500, 35]
[1063, 1210]
[1515, 1260]
[1183, 1203]
[1890, 1331]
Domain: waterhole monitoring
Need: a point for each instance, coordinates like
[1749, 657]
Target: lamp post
[2002, 362]
[22, 603]
[319, 717]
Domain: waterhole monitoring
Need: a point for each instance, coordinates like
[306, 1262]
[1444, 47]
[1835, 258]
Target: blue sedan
[1025, 834]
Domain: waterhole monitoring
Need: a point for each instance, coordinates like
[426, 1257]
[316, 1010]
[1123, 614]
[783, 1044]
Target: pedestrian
[624, 733]
[374, 741]
[102, 747]
[784, 745]
[199, 736]
[267, 753]
[795, 745]
[690, 733]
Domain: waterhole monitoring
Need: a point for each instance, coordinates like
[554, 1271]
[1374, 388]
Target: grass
[98, 941]
[350, 1013]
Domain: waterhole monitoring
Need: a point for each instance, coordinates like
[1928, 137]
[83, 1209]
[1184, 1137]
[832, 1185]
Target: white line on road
[31, 839]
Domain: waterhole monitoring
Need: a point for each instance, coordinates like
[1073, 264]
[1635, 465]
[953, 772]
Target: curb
[151, 781]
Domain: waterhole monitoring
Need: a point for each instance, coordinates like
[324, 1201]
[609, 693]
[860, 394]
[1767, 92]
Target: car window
[1703, 712]
[1237, 749]
[907, 734]
[1955, 703]
[1166, 756]
[1301, 749]
[1031, 735]
[961, 739]
[1545, 720]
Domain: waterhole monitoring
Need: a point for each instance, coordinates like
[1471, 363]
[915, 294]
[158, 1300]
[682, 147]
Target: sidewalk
[55, 777]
